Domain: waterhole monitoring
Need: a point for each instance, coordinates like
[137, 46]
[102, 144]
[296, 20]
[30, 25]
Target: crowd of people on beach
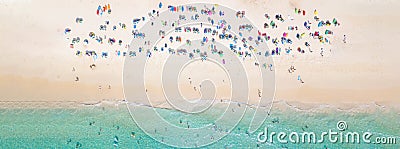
[301, 37]
[314, 29]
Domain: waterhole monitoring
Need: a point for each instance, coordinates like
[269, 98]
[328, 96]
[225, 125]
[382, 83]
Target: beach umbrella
[171, 8]
[289, 41]
[67, 30]
[328, 32]
[78, 20]
[136, 20]
[272, 23]
[104, 54]
[266, 53]
[95, 57]
[283, 40]
[334, 21]
[321, 23]
[92, 35]
[285, 34]
[316, 33]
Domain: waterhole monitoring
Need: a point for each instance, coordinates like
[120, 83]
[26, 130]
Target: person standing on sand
[299, 78]
[322, 52]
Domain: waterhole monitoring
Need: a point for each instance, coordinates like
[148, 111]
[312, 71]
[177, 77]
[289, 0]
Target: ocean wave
[276, 105]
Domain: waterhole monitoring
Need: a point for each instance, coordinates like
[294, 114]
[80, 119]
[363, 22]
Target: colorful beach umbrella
[328, 32]
[285, 34]
[67, 30]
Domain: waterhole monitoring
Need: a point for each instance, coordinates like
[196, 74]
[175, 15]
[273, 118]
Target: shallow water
[97, 126]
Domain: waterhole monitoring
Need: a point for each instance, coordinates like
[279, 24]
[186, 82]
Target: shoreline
[279, 105]
[114, 96]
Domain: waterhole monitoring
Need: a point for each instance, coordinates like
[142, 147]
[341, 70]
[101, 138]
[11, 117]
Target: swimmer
[116, 139]
[78, 145]
[133, 134]
[275, 120]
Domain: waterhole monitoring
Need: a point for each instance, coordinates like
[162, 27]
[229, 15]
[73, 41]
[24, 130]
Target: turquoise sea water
[98, 126]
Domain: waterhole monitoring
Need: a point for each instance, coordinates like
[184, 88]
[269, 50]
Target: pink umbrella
[285, 34]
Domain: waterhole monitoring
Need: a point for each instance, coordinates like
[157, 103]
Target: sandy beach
[151, 74]
[36, 62]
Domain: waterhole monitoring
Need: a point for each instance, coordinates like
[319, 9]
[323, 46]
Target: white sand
[36, 61]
